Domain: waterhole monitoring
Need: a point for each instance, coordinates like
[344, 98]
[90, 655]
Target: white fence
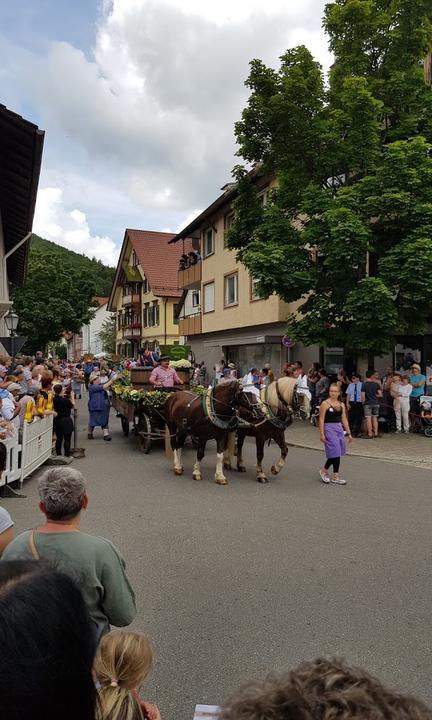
[35, 448]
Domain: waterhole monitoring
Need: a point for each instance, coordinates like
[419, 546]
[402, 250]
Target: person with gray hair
[94, 563]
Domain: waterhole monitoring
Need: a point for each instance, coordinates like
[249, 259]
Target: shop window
[231, 290]
[209, 297]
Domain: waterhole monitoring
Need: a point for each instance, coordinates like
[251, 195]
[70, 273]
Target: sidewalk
[409, 449]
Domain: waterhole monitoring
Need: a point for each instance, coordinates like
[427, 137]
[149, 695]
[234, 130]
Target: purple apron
[334, 440]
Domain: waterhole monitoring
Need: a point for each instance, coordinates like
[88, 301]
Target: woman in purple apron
[332, 423]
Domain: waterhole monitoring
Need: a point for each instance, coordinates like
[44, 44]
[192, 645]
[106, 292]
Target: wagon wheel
[144, 431]
[125, 425]
[428, 431]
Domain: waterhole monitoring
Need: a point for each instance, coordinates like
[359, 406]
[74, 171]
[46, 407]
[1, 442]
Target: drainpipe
[165, 319]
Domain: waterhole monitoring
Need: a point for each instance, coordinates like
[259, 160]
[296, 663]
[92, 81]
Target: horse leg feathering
[178, 467]
[260, 474]
[196, 473]
[277, 467]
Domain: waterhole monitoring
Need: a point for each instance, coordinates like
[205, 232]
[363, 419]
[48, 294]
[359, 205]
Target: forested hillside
[94, 270]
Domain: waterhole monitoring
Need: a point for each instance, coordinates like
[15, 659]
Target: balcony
[191, 325]
[132, 331]
[190, 277]
[131, 299]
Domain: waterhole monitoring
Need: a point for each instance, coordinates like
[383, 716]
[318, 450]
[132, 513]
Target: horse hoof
[274, 470]
[241, 468]
[227, 466]
[196, 477]
[221, 481]
[178, 471]
[262, 479]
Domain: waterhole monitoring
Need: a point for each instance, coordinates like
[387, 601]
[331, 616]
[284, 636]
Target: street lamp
[11, 320]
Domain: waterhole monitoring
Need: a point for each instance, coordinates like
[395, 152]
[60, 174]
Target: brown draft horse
[265, 418]
[210, 417]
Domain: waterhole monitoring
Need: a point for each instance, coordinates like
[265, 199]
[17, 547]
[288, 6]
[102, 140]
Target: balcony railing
[190, 277]
[191, 325]
[132, 299]
[133, 330]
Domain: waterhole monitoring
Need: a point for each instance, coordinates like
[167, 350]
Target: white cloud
[70, 228]
[141, 130]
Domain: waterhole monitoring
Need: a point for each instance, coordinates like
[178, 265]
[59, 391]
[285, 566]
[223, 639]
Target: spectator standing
[6, 522]
[302, 389]
[418, 382]
[429, 377]
[47, 645]
[343, 382]
[322, 386]
[10, 408]
[88, 369]
[63, 423]
[320, 690]
[354, 404]
[77, 381]
[203, 379]
[401, 390]
[333, 422]
[371, 394]
[313, 377]
[93, 562]
[122, 664]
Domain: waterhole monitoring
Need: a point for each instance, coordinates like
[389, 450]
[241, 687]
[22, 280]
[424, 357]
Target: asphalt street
[234, 582]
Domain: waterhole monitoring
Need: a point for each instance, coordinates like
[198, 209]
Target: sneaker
[107, 438]
[338, 481]
[325, 478]
[89, 436]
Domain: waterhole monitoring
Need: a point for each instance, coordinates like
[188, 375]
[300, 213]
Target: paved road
[233, 582]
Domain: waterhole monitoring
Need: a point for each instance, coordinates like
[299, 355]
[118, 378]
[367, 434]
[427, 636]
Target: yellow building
[145, 293]
[222, 315]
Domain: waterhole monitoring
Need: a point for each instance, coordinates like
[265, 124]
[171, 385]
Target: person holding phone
[63, 403]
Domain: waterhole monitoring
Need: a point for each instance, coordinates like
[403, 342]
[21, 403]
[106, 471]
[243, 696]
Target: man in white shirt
[10, 409]
[302, 389]
[401, 390]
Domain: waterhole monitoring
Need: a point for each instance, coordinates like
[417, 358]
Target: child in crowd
[77, 381]
[123, 662]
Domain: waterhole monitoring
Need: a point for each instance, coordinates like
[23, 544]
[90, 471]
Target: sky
[138, 99]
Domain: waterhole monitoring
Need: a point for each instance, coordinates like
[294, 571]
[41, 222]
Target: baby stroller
[426, 415]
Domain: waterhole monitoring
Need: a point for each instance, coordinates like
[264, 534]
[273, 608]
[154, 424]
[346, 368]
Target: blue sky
[138, 99]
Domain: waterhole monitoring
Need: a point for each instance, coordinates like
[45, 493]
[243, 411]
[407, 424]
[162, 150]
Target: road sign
[288, 342]
[13, 345]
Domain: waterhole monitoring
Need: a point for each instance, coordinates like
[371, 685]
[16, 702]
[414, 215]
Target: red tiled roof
[100, 300]
[159, 260]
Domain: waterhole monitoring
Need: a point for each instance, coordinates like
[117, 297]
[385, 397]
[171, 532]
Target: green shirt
[93, 563]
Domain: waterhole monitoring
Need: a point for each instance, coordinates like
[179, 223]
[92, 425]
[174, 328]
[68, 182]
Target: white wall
[91, 342]
[188, 308]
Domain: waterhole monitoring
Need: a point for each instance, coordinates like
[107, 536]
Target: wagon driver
[164, 376]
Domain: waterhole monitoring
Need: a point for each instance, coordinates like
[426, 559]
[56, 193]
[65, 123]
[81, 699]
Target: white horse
[275, 404]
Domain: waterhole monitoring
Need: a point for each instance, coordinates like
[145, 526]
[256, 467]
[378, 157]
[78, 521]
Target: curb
[422, 463]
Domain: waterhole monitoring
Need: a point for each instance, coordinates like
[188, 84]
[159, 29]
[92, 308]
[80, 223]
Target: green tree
[108, 334]
[55, 298]
[347, 232]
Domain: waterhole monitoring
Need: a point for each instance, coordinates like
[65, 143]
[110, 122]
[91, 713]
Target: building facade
[145, 294]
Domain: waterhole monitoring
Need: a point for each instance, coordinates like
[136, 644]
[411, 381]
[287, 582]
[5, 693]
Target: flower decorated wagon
[141, 405]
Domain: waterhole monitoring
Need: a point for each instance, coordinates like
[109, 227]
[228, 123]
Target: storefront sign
[260, 339]
[176, 352]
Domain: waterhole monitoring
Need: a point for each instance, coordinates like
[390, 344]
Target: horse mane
[286, 387]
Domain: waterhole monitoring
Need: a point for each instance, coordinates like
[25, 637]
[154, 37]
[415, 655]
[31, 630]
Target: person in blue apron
[333, 426]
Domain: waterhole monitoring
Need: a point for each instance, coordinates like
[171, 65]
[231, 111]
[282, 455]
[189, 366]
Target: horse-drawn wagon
[139, 404]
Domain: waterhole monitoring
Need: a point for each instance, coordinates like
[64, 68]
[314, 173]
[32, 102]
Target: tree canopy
[58, 293]
[347, 230]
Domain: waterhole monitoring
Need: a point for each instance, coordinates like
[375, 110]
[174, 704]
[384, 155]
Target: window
[254, 289]
[175, 314]
[231, 290]
[134, 259]
[209, 297]
[263, 197]
[145, 286]
[151, 315]
[195, 298]
[208, 242]
[228, 221]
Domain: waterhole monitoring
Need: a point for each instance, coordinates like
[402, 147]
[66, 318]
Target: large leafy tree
[55, 298]
[347, 232]
[108, 334]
